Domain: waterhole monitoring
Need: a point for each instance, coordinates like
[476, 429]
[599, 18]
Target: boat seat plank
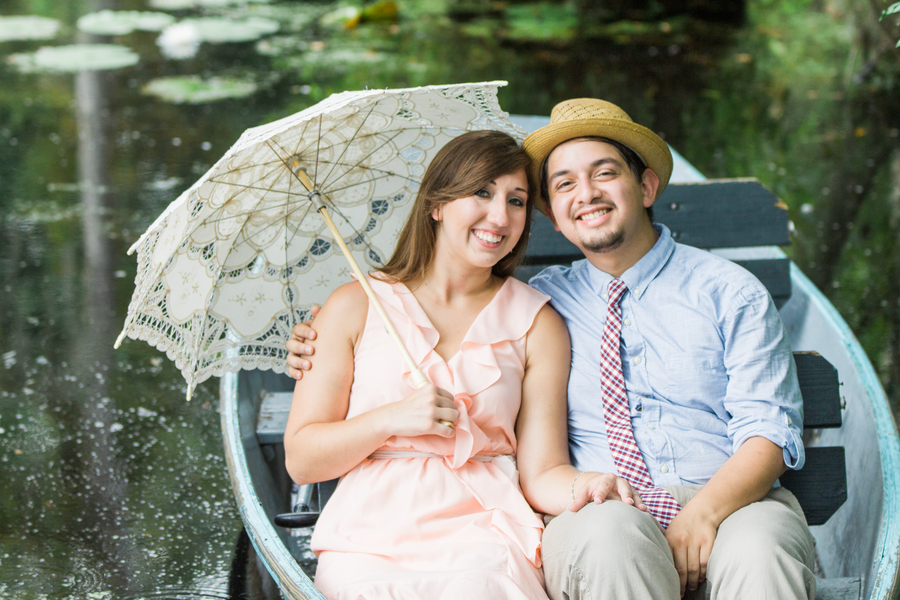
[839, 588]
[723, 213]
[820, 389]
[273, 416]
[821, 485]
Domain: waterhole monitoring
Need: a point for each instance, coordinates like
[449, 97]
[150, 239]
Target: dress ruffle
[507, 317]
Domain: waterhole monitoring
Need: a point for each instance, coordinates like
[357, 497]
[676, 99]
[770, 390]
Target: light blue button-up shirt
[705, 355]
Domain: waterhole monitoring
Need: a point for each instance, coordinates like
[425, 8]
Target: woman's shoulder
[349, 295]
[346, 308]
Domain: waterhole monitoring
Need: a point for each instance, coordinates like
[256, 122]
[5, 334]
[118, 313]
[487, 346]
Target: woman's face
[483, 228]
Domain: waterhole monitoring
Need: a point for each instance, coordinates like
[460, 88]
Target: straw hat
[581, 117]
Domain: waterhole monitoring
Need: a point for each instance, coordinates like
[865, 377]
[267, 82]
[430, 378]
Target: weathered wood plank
[273, 416]
[841, 588]
[820, 388]
[821, 485]
[723, 213]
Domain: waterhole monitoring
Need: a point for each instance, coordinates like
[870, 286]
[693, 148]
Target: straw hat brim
[649, 146]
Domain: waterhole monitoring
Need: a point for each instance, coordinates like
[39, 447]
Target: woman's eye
[517, 202]
[483, 194]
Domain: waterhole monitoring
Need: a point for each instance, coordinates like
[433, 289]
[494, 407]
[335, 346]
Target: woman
[429, 504]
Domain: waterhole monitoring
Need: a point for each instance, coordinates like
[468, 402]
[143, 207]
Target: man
[682, 382]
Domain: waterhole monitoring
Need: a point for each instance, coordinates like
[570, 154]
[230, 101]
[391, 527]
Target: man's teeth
[487, 237]
[594, 215]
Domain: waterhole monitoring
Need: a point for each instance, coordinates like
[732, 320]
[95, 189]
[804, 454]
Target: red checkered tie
[617, 415]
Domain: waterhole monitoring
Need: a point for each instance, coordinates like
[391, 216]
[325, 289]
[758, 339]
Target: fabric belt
[384, 454]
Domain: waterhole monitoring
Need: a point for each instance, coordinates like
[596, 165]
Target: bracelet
[580, 473]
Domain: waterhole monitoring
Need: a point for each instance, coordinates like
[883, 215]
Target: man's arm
[744, 478]
[766, 413]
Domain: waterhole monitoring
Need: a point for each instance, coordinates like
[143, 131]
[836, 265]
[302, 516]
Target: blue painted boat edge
[885, 574]
[275, 556]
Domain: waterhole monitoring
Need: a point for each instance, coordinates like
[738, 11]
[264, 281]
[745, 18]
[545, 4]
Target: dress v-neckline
[418, 306]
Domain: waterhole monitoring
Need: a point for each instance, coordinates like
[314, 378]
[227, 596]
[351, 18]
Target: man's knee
[610, 550]
[605, 531]
[767, 546]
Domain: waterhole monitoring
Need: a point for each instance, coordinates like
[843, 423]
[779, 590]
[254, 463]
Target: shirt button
[651, 426]
[789, 421]
[637, 360]
[637, 291]
[627, 322]
[664, 469]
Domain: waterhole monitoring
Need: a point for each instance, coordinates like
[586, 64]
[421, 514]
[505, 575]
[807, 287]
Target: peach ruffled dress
[434, 517]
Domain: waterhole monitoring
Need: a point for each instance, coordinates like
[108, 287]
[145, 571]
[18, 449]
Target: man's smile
[595, 215]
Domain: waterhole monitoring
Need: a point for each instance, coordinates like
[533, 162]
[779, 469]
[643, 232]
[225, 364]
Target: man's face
[595, 199]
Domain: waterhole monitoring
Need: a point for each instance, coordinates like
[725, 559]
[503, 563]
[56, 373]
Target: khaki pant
[614, 551]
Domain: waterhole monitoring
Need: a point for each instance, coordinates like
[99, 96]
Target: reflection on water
[113, 486]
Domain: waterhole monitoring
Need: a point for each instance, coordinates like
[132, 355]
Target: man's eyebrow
[594, 165]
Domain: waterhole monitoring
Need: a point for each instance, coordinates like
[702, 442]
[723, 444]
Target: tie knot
[617, 289]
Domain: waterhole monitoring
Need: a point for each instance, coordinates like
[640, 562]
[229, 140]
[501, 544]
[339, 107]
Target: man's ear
[549, 212]
[550, 216]
[649, 185]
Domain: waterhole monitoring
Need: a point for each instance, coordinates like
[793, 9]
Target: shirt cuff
[787, 437]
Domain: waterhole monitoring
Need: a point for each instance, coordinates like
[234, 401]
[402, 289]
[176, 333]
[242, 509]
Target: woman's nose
[499, 213]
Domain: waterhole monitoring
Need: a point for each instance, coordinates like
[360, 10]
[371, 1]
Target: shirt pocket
[696, 377]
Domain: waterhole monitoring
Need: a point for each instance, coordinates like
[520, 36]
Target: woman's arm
[543, 453]
[319, 443]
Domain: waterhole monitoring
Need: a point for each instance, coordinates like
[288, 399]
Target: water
[112, 485]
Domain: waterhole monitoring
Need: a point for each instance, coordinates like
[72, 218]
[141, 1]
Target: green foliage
[891, 10]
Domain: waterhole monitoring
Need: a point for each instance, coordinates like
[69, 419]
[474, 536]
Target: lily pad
[75, 57]
[293, 17]
[280, 45]
[188, 4]
[339, 60]
[194, 90]
[121, 22]
[218, 30]
[28, 28]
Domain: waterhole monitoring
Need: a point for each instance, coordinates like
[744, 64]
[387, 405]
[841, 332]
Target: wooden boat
[858, 538]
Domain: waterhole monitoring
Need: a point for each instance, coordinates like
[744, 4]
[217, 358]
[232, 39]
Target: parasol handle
[418, 377]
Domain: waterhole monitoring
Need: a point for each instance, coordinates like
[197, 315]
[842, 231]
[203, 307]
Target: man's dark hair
[635, 163]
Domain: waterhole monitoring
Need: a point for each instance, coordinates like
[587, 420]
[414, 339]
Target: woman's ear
[436, 213]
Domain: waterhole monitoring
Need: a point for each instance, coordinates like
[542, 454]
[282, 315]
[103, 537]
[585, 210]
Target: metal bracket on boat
[307, 503]
[297, 519]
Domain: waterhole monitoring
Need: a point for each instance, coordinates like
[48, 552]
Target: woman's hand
[300, 345]
[420, 413]
[598, 487]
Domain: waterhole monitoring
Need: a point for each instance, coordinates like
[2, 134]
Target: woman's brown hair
[461, 168]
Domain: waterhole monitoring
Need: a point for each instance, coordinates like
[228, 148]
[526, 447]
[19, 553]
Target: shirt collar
[642, 273]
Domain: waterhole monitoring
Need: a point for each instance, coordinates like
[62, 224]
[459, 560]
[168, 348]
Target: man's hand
[299, 346]
[691, 535]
